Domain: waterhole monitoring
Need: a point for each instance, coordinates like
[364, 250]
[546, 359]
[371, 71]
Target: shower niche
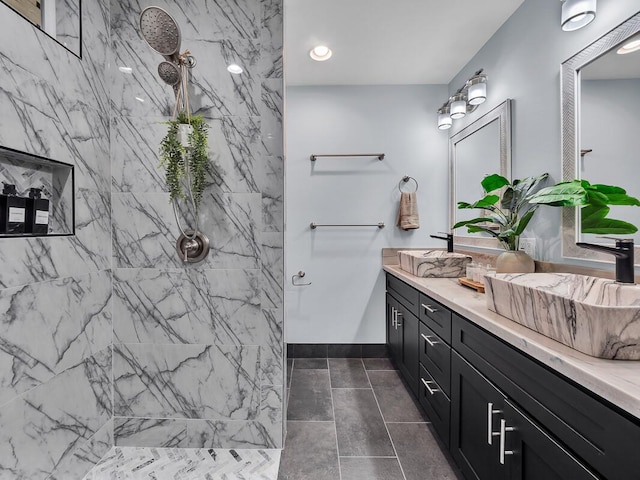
[36, 196]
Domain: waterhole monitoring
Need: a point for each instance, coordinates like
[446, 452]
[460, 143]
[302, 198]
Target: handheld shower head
[170, 73]
[161, 32]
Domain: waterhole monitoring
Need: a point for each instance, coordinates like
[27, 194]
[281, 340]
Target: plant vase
[184, 130]
[515, 261]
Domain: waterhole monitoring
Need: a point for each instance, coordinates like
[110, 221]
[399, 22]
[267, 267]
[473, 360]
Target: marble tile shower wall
[198, 349]
[56, 400]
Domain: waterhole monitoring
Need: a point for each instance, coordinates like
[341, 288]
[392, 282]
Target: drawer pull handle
[393, 317]
[426, 383]
[428, 308]
[503, 436]
[490, 413]
[427, 338]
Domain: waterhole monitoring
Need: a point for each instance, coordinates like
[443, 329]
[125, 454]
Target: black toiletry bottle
[12, 210]
[37, 213]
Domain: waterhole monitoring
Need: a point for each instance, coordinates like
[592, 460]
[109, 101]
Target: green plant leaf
[565, 194]
[594, 221]
[493, 182]
[478, 229]
[472, 222]
[524, 221]
[485, 202]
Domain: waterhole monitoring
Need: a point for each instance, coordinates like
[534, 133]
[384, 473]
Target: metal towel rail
[314, 225]
[316, 155]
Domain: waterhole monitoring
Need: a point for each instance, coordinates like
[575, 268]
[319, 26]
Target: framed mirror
[480, 149]
[600, 125]
[60, 19]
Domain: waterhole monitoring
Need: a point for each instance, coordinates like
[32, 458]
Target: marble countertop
[617, 381]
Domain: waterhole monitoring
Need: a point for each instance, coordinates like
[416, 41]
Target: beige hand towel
[408, 211]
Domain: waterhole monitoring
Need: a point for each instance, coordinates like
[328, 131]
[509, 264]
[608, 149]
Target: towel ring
[405, 179]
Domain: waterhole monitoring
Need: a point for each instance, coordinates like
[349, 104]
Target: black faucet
[448, 238]
[623, 252]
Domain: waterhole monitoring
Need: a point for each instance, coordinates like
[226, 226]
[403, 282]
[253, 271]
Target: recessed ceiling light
[632, 46]
[320, 53]
[128, 70]
[235, 69]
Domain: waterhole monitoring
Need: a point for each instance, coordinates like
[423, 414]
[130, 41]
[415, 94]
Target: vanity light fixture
[577, 14]
[320, 53]
[633, 45]
[465, 100]
[444, 119]
[235, 69]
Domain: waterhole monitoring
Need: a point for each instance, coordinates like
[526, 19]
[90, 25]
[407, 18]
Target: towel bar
[316, 155]
[316, 225]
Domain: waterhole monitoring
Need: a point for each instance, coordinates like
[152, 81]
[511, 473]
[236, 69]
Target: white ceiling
[385, 42]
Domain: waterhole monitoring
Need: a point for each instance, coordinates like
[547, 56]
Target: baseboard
[337, 350]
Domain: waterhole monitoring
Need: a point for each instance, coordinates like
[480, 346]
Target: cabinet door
[408, 325]
[393, 333]
[530, 454]
[476, 410]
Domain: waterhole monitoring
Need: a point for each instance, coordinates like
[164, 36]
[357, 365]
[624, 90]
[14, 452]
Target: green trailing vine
[173, 155]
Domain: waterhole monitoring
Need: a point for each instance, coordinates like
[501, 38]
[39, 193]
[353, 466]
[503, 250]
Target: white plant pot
[184, 130]
[515, 261]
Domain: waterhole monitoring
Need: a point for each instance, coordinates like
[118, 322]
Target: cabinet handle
[490, 413]
[393, 317]
[503, 436]
[432, 391]
[428, 308]
[427, 338]
[398, 314]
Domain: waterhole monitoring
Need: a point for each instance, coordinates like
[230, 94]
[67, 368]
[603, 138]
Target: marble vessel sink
[593, 315]
[433, 263]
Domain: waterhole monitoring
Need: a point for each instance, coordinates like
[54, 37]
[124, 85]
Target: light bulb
[320, 53]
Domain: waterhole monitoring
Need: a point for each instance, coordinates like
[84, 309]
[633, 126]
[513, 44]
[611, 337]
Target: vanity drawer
[405, 294]
[436, 316]
[591, 428]
[436, 403]
[435, 355]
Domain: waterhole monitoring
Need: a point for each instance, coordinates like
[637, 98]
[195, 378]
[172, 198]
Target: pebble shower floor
[134, 463]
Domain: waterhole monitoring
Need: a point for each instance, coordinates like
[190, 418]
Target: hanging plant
[175, 156]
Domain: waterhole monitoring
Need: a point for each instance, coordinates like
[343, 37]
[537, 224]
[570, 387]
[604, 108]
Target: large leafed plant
[506, 211]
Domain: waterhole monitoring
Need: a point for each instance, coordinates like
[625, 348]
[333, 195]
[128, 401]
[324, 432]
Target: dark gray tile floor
[353, 419]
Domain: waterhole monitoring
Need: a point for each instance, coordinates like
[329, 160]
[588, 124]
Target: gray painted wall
[523, 63]
[55, 293]
[345, 303]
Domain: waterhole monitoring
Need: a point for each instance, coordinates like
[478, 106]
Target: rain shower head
[161, 32]
[169, 72]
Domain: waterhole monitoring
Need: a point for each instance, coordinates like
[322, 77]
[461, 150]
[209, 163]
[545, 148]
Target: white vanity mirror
[60, 19]
[601, 127]
[480, 149]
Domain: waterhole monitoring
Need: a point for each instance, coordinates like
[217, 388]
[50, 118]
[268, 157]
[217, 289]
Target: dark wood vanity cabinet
[402, 337]
[492, 439]
[472, 385]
